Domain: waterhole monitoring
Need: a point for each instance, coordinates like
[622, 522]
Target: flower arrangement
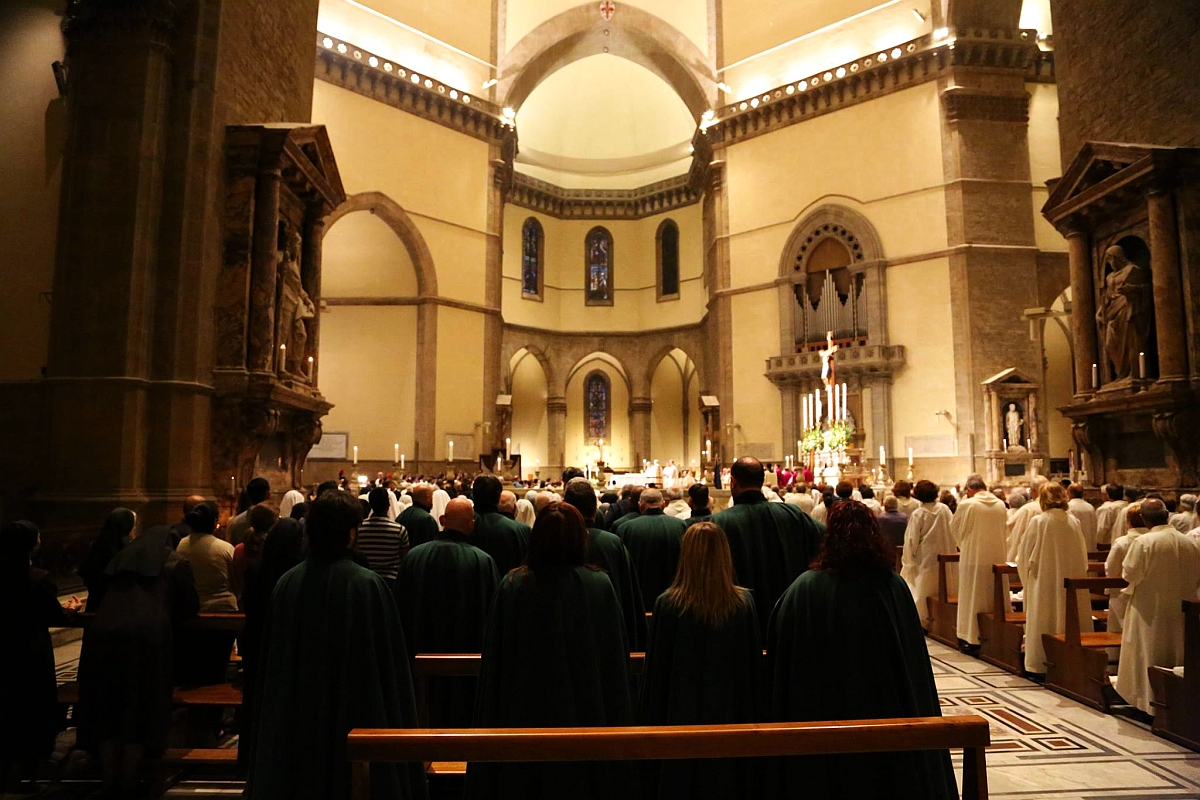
[834, 436]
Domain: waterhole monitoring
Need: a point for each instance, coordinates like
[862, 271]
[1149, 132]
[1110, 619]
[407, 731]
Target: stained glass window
[598, 251]
[531, 259]
[596, 406]
[668, 260]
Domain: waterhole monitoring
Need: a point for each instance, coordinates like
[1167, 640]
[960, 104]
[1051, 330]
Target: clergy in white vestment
[1084, 514]
[927, 535]
[1108, 512]
[676, 506]
[1051, 549]
[1114, 567]
[1163, 569]
[670, 474]
[979, 527]
[868, 499]
[1184, 519]
[1019, 522]
[1122, 525]
[801, 499]
[905, 502]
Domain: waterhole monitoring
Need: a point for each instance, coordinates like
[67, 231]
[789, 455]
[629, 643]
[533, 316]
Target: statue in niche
[296, 308]
[1126, 313]
[1013, 423]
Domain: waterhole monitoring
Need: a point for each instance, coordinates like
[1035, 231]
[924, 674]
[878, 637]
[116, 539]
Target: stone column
[639, 428]
[426, 399]
[556, 432]
[260, 333]
[310, 275]
[881, 414]
[1168, 293]
[1083, 310]
[790, 397]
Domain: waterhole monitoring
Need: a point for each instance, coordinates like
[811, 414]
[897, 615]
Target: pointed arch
[398, 220]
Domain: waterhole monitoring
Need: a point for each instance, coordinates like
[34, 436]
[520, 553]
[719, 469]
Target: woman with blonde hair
[704, 665]
[1052, 549]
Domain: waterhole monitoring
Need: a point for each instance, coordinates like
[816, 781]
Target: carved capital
[1177, 429]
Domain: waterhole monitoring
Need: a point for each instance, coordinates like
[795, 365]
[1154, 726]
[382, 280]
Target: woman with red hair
[845, 642]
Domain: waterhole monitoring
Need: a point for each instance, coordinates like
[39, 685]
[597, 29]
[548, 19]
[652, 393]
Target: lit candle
[1029, 445]
[1141, 365]
[233, 484]
[910, 454]
[507, 448]
[844, 414]
[835, 405]
[402, 461]
[799, 447]
[1095, 376]
[395, 452]
[882, 455]
[804, 413]
[356, 455]
[450, 452]
[1006, 445]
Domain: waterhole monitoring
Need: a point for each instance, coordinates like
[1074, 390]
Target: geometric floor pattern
[1044, 745]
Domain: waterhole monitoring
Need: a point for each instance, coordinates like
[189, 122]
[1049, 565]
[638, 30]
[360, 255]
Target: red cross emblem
[607, 9]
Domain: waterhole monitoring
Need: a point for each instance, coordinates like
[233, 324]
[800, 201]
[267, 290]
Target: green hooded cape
[605, 550]
[504, 539]
[419, 523]
[653, 540]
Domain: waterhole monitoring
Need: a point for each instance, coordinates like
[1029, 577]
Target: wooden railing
[970, 733]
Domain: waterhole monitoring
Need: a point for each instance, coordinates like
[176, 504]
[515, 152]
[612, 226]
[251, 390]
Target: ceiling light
[940, 33]
[725, 87]
[373, 61]
[489, 83]
[509, 113]
[327, 42]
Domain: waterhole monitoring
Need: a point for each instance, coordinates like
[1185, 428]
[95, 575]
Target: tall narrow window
[531, 259]
[667, 245]
[597, 406]
[598, 263]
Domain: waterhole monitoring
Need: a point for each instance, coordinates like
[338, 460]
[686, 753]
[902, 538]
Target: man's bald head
[542, 500]
[746, 474]
[423, 493]
[508, 502]
[191, 501]
[459, 516]
[651, 498]
[1154, 512]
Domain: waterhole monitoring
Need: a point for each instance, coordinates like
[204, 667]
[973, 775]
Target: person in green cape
[704, 666]
[605, 550]
[416, 519]
[845, 643]
[333, 660]
[771, 543]
[652, 539]
[444, 590]
[555, 656]
[503, 539]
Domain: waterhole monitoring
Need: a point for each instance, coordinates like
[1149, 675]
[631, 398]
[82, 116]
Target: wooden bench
[943, 609]
[1002, 632]
[1177, 697]
[459, 746]
[230, 623]
[221, 695]
[1077, 662]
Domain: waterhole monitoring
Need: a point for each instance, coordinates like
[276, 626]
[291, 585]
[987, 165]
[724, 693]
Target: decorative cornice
[800, 368]
[963, 103]
[600, 204]
[350, 67]
[863, 79]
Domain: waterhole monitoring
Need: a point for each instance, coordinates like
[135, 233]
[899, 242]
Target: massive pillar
[1168, 288]
[1083, 310]
[639, 429]
[556, 435]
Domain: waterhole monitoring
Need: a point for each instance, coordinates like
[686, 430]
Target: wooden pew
[1177, 697]
[1077, 662]
[943, 609]
[971, 733]
[1001, 634]
[230, 623]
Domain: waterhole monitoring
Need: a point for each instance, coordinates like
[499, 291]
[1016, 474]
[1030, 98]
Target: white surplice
[1085, 515]
[1114, 566]
[1163, 569]
[1106, 520]
[927, 535]
[979, 527]
[1018, 523]
[1185, 521]
[1051, 549]
[907, 504]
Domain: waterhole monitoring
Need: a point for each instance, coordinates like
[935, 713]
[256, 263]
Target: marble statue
[1126, 314]
[295, 309]
[1012, 424]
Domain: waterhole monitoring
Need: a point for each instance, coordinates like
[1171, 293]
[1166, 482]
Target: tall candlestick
[1095, 376]
[799, 447]
[450, 451]
[402, 461]
[1029, 445]
[356, 455]
[1006, 445]
[835, 405]
[804, 413]
[910, 454]
[395, 452]
[507, 447]
[1141, 365]
[817, 419]
[829, 402]
[844, 415]
[882, 456]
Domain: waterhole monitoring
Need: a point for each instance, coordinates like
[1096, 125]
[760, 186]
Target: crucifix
[828, 370]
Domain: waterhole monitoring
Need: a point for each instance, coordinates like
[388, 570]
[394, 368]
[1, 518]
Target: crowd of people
[341, 586]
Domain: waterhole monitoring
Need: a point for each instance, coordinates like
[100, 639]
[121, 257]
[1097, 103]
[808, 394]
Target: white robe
[1184, 521]
[907, 504]
[1106, 520]
[873, 504]
[819, 512]
[1085, 515]
[1018, 524]
[801, 500]
[1114, 567]
[979, 527]
[928, 535]
[1052, 549]
[1163, 569]
[678, 509]
[290, 500]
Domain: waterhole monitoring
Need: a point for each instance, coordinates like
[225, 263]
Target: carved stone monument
[1010, 409]
[282, 182]
[1130, 215]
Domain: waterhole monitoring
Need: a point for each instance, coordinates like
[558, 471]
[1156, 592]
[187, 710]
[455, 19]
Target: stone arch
[398, 220]
[835, 216]
[610, 359]
[658, 355]
[537, 353]
[633, 34]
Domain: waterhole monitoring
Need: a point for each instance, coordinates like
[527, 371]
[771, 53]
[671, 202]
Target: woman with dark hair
[703, 666]
[114, 535]
[555, 655]
[202, 656]
[30, 717]
[844, 642]
[126, 662]
[282, 550]
[928, 534]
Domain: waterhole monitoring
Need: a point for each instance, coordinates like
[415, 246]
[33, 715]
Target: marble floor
[1043, 745]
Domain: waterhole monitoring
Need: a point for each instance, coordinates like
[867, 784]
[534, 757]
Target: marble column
[260, 333]
[639, 429]
[1168, 292]
[556, 432]
[790, 397]
[1083, 310]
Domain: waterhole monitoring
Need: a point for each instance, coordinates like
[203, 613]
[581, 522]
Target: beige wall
[1045, 160]
[669, 394]
[690, 17]
[636, 305]
[617, 448]
[33, 120]
[459, 377]
[530, 433]
[363, 257]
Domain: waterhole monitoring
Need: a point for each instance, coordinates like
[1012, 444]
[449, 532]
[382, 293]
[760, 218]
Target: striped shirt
[384, 543]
